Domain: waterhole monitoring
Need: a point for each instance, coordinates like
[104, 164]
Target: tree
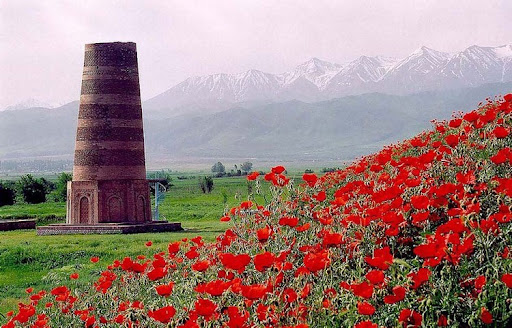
[32, 191]
[246, 166]
[7, 193]
[206, 184]
[61, 187]
[219, 169]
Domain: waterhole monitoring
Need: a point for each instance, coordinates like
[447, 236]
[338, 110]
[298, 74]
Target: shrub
[33, 191]
[206, 184]
[7, 193]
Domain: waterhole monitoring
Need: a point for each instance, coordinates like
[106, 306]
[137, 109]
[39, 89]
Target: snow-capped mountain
[316, 71]
[477, 65]
[363, 73]
[423, 70]
[417, 72]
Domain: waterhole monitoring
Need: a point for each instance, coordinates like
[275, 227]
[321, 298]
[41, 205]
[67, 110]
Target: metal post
[157, 215]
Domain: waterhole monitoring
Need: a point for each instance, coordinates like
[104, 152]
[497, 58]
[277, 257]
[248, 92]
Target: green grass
[44, 213]
[42, 262]
[27, 260]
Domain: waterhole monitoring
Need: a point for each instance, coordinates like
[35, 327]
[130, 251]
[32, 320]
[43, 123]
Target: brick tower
[109, 191]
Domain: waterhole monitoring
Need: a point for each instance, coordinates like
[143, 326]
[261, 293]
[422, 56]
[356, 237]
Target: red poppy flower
[420, 202]
[214, 288]
[61, 290]
[225, 219]
[480, 282]
[303, 227]
[253, 176]
[263, 261]
[95, 259]
[500, 132]
[507, 279]
[455, 123]
[321, 196]
[278, 169]
[205, 307]
[452, 140]
[317, 261]
[375, 277]
[501, 156]
[289, 295]
[366, 324]
[235, 262]
[471, 116]
[442, 321]
[310, 179]
[486, 316]
[254, 292]
[288, 221]
[381, 259]
[174, 248]
[192, 254]
[397, 296]
[410, 318]
[157, 273]
[332, 239]
[364, 289]
[163, 315]
[365, 308]
[74, 276]
[263, 234]
[419, 277]
[201, 266]
[165, 290]
[149, 243]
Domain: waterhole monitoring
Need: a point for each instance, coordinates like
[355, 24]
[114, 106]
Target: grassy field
[27, 260]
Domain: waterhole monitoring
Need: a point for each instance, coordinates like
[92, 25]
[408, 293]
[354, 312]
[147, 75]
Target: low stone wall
[108, 228]
[8, 225]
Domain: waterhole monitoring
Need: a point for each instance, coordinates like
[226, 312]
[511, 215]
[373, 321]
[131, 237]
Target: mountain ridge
[425, 69]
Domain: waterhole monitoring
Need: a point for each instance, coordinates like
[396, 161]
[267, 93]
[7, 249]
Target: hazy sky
[42, 41]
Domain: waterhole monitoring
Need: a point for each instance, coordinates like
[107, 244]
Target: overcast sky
[42, 41]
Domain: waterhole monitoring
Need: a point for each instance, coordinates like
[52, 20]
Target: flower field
[417, 235]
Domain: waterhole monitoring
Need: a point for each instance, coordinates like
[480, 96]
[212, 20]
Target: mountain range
[319, 111]
[316, 80]
[334, 130]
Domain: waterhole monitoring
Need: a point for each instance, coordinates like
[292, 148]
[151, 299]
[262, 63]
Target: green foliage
[246, 166]
[218, 168]
[33, 191]
[61, 187]
[329, 169]
[7, 193]
[206, 184]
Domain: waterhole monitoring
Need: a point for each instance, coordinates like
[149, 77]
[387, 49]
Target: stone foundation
[108, 201]
[108, 228]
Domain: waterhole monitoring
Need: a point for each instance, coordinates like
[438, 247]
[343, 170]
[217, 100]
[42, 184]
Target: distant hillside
[339, 129]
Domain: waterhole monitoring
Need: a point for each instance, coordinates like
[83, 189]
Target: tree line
[220, 170]
[32, 190]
